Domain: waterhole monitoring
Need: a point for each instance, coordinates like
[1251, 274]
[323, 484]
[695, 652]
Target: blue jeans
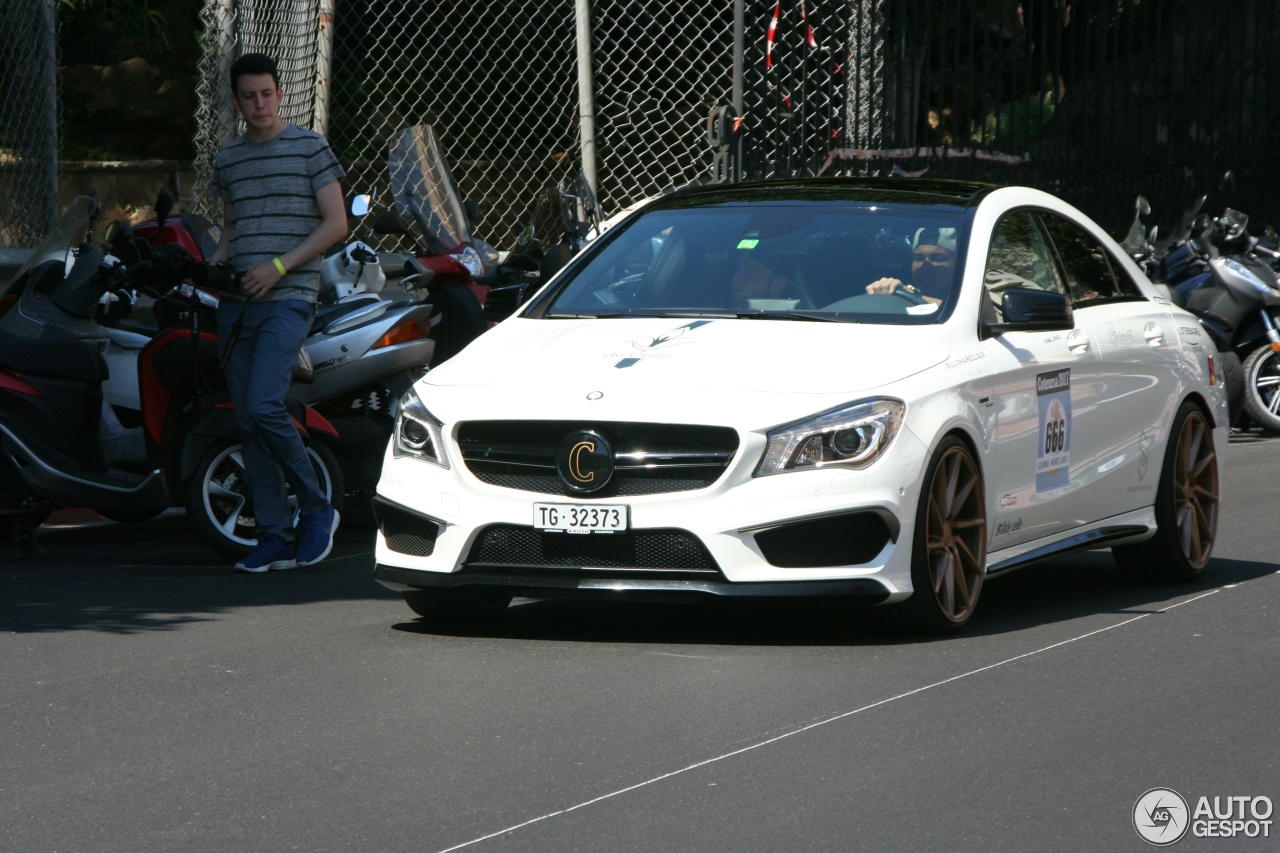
[258, 373]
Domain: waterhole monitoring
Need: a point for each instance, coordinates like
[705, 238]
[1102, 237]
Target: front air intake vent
[838, 540]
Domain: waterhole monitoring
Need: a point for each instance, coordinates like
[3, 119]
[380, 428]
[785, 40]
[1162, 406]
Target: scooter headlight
[851, 436]
[418, 433]
[470, 259]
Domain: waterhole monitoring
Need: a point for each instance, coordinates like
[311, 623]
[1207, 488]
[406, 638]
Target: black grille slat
[838, 540]
[518, 545]
[522, 455]
[406, 532]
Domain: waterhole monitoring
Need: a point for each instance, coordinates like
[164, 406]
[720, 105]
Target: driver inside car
[933, 267]
[759, 274]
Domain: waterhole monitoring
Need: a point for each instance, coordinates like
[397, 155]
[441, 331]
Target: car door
[1137, 352]
[1044, 396]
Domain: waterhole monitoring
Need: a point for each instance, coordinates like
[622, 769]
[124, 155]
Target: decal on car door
[1053, 455]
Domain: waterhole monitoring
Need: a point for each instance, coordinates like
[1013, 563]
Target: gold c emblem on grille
[575, 466]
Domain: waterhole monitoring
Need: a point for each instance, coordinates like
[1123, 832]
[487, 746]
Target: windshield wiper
[789, 315]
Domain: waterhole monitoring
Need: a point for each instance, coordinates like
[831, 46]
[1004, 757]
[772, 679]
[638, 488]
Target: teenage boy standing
[282, 207]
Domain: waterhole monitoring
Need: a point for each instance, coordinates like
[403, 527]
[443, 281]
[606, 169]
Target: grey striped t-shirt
[271, 187]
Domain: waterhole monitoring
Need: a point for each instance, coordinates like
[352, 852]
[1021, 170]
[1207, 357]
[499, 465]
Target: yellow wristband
[279, 265]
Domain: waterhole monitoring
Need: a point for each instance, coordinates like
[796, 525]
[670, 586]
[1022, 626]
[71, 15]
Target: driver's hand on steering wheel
[884, 285]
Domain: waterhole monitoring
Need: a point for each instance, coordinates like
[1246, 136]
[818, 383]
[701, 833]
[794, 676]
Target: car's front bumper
[726, 522]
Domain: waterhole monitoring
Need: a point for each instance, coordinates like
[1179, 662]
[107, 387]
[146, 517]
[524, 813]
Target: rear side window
[1091, 278]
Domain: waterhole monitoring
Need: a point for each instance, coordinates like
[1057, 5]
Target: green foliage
[139, 19]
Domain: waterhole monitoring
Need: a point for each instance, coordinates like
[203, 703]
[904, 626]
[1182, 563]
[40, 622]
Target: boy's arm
[260, 278]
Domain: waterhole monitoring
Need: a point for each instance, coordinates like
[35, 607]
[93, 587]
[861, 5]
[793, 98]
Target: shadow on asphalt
[158, 575]
[1068, 588]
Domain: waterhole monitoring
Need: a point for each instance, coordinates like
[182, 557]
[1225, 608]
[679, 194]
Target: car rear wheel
[1186, 506]
[457, 608]
[949, 552]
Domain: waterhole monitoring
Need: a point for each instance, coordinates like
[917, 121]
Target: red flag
[808, 30]
[773, 33]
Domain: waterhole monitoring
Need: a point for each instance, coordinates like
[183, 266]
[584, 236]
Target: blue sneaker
[315, 535]
[271, 553]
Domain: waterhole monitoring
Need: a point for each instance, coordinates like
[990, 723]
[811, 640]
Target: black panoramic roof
[887, 190]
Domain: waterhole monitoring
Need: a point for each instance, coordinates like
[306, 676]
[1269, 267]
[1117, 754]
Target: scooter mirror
[1142, 206]
[117, 232]
[525, 237]
[360, 205]
[389, 222]
[1229, 183]
[164, 206]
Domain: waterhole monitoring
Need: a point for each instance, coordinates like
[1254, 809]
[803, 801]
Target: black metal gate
[1093, 100]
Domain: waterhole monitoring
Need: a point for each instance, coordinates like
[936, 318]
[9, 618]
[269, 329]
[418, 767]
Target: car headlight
[470, 259]
[851, 436]
[418, 433]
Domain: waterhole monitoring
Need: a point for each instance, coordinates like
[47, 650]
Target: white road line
[810, 726]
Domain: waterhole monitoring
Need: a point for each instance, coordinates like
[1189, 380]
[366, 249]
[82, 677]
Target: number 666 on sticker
[1053, 453]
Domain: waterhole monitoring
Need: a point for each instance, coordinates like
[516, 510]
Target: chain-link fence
[28, 121]
[1095, 100]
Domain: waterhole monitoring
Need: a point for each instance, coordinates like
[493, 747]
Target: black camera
[221, 277]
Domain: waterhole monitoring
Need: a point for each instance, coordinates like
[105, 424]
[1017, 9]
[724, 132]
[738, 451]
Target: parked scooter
[1212, 267]
[52, 452]
[362, 354]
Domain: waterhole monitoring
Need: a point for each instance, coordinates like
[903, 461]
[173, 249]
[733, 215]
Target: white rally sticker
[1053, 456]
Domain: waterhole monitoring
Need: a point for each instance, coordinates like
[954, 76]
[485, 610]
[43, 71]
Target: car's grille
[838, 540]
[512, 545]
[649, 459]
[406, 532]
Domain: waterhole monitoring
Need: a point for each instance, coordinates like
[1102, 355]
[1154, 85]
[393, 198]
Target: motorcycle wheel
[219, 503]
[1262, 388]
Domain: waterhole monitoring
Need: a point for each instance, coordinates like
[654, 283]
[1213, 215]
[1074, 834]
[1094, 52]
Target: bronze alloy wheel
[951, 542]
[1186, 506]
[1195, 490]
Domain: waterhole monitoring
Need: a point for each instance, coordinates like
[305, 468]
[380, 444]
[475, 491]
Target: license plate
[581, 518]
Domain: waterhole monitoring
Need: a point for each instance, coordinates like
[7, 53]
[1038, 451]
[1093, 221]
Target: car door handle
[1078, 342]
[1154, 334]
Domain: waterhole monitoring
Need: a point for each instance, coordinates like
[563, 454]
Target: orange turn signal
[401, 333]
[1274, 347]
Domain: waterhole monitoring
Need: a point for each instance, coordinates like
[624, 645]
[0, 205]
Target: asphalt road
[152, 700]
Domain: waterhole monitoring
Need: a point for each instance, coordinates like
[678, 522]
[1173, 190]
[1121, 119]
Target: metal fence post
[324, 67]
[866, 80]
[586, 92]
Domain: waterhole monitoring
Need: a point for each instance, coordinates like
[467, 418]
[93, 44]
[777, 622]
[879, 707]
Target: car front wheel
[949, 551]
[457, 608]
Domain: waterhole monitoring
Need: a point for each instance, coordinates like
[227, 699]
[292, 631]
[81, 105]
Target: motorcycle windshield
[64, 236]
[1183, 229]
[423, 188]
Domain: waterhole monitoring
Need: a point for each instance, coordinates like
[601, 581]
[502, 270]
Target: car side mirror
[1027, 310]
[389, 222]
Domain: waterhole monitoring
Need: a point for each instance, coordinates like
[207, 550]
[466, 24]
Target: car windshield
[842, 261]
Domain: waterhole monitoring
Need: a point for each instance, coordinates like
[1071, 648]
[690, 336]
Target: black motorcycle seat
[63, 358]
[328, 313]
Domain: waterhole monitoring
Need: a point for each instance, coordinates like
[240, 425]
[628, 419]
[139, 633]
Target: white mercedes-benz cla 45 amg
[890, 390]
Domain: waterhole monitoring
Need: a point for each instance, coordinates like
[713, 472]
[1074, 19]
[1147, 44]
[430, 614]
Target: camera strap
[232, 337]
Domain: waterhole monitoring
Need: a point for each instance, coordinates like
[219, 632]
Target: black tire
[211, 511]
[950, 533]
[458, 608]
[1262, 388]
[1233, 381]
[1186, 506]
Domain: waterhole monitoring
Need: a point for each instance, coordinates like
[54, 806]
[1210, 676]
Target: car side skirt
[1122, 529]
